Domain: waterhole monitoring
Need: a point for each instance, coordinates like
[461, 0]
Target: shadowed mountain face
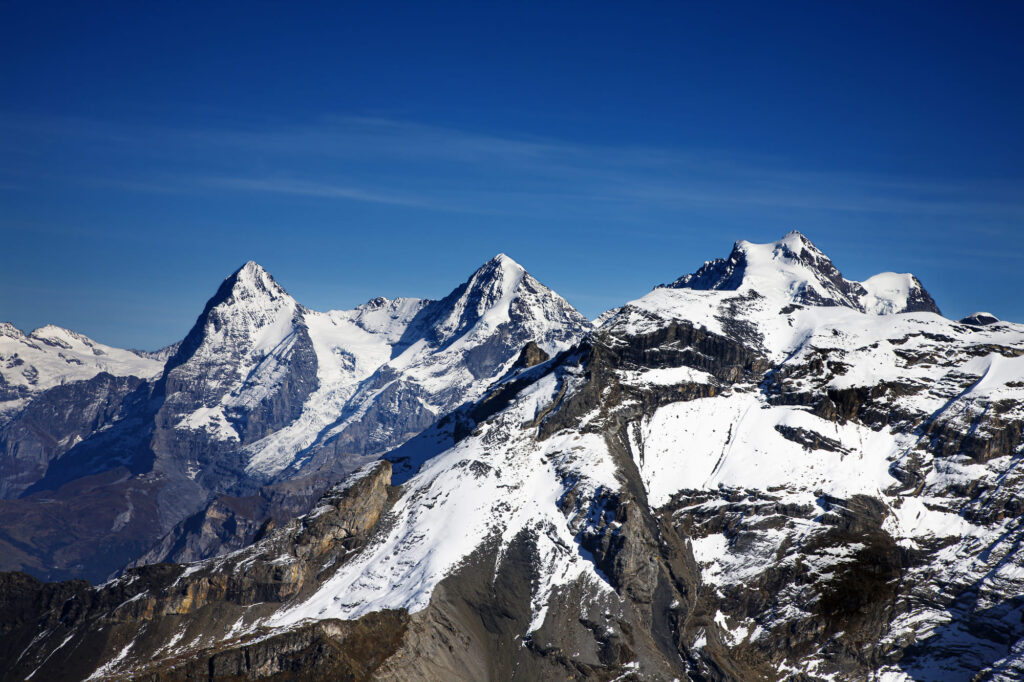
[260, 393]
[774, 478]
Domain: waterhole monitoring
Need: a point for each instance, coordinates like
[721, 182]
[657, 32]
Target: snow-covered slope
[494, 486]
[51, 356]
[350, 345]
[890, 292]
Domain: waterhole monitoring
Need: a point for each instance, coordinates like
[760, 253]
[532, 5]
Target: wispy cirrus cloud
[311, 188]
[414, 165]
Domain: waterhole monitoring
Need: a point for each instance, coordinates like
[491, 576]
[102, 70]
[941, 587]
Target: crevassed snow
[349, 347]
[386, 317]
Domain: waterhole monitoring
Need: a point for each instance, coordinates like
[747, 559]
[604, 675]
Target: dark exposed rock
[335, 650]
[988, 437]
[531, 355]
[979, 319]
[920, 301]
[809, 439]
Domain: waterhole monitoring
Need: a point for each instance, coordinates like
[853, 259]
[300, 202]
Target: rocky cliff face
[244, 370]
[103, 632]
[54, 422]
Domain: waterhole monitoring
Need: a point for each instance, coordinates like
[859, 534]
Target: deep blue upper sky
[146, 151]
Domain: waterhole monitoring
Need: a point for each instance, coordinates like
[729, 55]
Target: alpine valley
[760, 471]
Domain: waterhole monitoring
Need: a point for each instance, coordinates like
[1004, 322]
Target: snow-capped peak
[53, 335]
[505, 261]
[245, 303]
[248, 302]
[892, 292]
[8, 329]
[793, 269]
[501, 291]
[483, 299]
[499, 274]
[251, 318]
[251, 281]
[792, 247]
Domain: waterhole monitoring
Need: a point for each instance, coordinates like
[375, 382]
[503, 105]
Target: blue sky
[390, 148]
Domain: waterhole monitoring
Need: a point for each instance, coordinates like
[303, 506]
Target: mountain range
[761, 470]
[113, 456]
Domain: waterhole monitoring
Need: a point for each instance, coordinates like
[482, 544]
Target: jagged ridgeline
[761, 471]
